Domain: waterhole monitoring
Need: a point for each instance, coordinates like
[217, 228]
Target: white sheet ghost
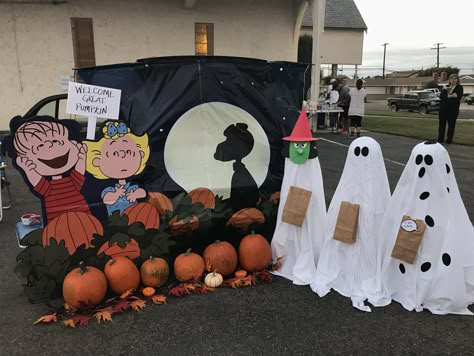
[344, 266]
[441, 279]
[297, 248]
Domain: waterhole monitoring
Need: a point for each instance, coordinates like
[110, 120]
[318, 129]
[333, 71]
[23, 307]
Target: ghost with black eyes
[441, 276]
[343, 266]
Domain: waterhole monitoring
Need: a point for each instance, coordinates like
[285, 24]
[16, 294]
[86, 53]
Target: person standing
[344, 101]
[333, 99]
[449, 108]
[356, 108]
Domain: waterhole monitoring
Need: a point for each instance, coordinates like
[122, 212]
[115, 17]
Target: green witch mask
[299, 152]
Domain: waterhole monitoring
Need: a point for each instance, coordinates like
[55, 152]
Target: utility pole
[384, 51]
[437, 48]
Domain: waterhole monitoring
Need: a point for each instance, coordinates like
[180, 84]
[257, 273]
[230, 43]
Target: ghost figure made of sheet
[297, 248]
[343, 266]
[441, 278]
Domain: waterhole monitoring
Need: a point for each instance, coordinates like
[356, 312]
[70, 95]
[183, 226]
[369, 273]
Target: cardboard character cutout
[363, 186]
[120, 155]
[52, 160]
[298, 247]
[441, 277]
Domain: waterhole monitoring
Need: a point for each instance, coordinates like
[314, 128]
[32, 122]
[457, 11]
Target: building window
[204, 39]
[83, 42]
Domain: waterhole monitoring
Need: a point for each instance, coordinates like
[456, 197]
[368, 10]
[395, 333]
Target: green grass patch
[408, 124]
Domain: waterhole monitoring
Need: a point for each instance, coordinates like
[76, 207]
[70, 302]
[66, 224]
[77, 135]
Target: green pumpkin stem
[188, 252]
[253, 232]
[82, 268]
[217, 242]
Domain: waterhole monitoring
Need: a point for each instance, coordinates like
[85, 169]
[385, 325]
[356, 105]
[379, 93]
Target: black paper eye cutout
[448, 169]
[424, 195]
[419, 159]
[357, 151]
[429, 221]
[422, 171]
[429, 160]
[365, 151]
[402, 268]
[447, 189]
[446, 259]
[425, 267]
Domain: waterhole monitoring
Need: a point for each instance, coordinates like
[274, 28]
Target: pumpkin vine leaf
[51, 318]
[120, 238]
[136, 229]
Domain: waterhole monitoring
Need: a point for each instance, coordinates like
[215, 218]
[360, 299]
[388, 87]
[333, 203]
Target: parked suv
[417, 100]
[469, 99]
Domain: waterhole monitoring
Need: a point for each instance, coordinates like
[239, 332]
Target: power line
[437, 48]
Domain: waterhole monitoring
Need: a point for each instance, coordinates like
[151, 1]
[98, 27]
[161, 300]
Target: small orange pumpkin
[220, 257]
[244, 217]
[144, 213]
[75, 228]
[255, 253]
[188, 266]
[204, 196]
[122, 274]
[131, 249]
[241, 273]
[148, 291]
[84, 286]
[161, 202]
[154, 272]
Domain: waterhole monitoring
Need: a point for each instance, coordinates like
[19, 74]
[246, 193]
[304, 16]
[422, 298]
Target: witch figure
[299, 232]
[343, 265]
[440, 276]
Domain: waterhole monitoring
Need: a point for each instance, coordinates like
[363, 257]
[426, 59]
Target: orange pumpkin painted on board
[144, 213]
[243, 218]
[161, 202]
[204, 196]
[131, 249]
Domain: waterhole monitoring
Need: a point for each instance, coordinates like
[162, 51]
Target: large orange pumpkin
[255, 253]
[75, 228]
[131, 249]
[244, 217]
[180, 227]
[84, 286]
[122, 274]
[154, 272]
[188, 266]
[144, 213]
[160, 202]
[220, 257]
[204, 196]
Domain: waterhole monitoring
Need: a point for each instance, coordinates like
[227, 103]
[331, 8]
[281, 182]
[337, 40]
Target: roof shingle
[339, 14]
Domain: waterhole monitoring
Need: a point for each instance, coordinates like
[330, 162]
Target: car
[416, 100]
[469, 99]
[434, 90]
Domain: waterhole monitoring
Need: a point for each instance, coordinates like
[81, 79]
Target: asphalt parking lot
[274, 319]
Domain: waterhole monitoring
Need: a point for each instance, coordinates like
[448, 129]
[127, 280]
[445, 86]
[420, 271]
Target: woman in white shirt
[356, 108]
[333, 99]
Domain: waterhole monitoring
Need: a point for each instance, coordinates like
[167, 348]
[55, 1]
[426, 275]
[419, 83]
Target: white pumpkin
[213, 280]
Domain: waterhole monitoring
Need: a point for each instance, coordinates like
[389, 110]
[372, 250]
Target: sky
[411, 28]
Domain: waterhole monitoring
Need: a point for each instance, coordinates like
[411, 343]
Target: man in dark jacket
[343, 102]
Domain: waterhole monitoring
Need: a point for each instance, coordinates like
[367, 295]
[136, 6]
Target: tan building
[41, 41]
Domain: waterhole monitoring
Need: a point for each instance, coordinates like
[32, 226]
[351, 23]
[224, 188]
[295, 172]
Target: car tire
[394, 107]
[423, 110]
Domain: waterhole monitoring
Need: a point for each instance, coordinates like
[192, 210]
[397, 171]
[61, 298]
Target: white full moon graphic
[192, 141]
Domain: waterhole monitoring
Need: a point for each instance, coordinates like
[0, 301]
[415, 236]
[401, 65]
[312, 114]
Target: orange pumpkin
[244, 217]
[188, 266]
[84, 286]
[255, 253]
[160, 202]
[220, 257]
[122, 274]
[131, 249]
[75, 228]
[203, 196]
[148, 291]
[180, 227]
[241, 273]
[154, 272]
[144, 213]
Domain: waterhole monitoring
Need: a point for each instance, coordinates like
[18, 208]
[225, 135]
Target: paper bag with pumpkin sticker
[408, 240]
[296, 205]
[346, 224]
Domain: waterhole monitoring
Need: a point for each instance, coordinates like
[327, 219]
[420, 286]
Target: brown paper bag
[408, 239]
[346, 224]
[296, 205]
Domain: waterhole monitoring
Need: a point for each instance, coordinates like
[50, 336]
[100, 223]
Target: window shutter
[83, 42]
